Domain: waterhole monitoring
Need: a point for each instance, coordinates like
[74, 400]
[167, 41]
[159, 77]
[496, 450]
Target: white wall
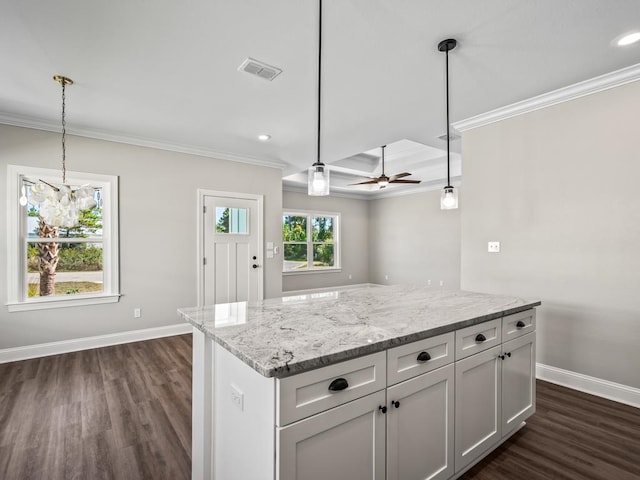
[413, 241]
[157, 231]
[354, 221]
[559, 188]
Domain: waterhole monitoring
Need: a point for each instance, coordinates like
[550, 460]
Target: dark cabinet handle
[254, 257]
[382, 408]
[480, 338]
[508, 354]
[424, 357]
[520, 324]
[255, 266]
[501, 357]
[338, 384]
[395, 404]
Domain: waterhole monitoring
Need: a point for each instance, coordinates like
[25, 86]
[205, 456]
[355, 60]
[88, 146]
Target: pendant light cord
[319, 71]
[64, 131]
[447, 94]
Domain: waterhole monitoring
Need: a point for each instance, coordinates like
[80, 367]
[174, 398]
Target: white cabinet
[495, 391]
[420, 427]
[425, 410]
[343, 442]
[477, 406]
[518, 381]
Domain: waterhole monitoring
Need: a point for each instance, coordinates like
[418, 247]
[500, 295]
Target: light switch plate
[493, 247]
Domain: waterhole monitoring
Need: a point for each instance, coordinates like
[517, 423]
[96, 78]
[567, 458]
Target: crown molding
[36, 124]
[564, 94]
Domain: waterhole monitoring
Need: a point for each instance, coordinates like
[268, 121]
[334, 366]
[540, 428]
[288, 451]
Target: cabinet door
[477, 405]
[345, 442]
[518, 381]
[420, 428]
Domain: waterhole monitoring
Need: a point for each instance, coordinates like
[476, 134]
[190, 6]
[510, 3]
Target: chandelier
[60, 206]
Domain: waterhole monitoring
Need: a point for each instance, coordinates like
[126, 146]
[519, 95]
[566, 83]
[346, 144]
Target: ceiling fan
[383, 180]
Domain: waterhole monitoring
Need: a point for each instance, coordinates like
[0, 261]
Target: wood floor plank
[124, 413]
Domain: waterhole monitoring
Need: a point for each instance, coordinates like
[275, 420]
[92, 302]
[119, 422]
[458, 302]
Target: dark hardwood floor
[572, 436]
[121, 412]
[124, 412]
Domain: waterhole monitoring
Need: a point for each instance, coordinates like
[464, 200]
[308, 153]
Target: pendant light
[60, 206]
[318, 174]
[449, 195]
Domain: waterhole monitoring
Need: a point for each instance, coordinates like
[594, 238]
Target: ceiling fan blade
[404, 181]
[368, 182]
[399, 175]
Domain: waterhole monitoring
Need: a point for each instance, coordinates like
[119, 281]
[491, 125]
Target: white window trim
[16, 257]
[336, 242]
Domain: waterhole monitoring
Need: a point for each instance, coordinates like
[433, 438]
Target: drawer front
[308, 393]
[518, 324]
[416, 358]
[478, 338]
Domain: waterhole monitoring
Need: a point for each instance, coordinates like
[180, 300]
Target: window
[311, 241]
[51, 267]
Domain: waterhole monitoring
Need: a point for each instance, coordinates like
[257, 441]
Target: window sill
[308, 272]
[45, 304]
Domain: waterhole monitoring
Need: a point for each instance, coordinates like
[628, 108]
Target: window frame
[309, 214]
[17, 240]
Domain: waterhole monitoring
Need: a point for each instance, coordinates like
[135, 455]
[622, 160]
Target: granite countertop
[280, 337]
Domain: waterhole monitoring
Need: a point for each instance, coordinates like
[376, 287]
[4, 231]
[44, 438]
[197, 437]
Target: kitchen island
[372, 382]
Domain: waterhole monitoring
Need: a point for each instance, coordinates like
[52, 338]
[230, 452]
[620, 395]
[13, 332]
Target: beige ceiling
[165, 73]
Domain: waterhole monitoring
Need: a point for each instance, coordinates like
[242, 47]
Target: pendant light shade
[449, 195]
[318, 174]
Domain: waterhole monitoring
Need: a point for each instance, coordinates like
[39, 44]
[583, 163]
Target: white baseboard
[584, 383]
[77, 344]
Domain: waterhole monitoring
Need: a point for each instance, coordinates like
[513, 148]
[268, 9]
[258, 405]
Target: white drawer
[518, 324]
[308, 393]
[413, 359]
[477, 338]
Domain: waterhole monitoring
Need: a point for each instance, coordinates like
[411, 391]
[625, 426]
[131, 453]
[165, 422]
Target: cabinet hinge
[204, 260]
[204, 209]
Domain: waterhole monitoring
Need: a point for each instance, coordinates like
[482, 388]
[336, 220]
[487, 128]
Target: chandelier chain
[64, 131]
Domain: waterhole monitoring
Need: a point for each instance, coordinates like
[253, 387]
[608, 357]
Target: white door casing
[230, 265]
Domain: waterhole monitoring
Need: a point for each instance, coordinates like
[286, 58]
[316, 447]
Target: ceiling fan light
[318, 180]
[448, 198]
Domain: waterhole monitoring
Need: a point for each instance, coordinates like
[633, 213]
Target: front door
[232, 248]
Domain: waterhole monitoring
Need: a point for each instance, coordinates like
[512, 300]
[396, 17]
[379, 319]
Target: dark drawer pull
[480, 338]
[383, 409]
[520, 324]
[395, 403]
[424, 357]
[338, 384]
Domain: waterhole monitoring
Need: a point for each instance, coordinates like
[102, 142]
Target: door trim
[202, 193]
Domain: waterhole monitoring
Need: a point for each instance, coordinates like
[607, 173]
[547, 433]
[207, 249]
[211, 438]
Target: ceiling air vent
[261, 69]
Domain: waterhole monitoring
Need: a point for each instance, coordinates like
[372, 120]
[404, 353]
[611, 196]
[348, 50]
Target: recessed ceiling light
[264, 137]
[628, 39]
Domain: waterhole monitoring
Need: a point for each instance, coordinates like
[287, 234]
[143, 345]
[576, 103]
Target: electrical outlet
[493, 247]
[137, 313]
[237, 397]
